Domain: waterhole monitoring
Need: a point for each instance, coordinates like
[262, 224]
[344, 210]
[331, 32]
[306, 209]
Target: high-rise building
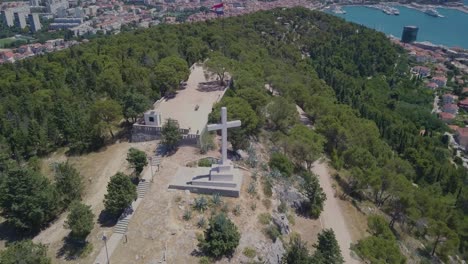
[34, 2]
[34, 22]
[8, 18]
[410, 33]
[20, 19]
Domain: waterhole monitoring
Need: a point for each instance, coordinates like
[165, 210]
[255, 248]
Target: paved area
[182, 107]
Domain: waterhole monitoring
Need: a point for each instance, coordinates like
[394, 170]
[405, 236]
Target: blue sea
[450, 30]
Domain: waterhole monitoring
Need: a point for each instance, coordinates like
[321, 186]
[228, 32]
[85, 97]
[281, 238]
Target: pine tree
[328, 248]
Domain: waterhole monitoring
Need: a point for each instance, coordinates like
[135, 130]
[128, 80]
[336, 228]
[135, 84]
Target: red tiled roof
[450, 106]
[432, 85]
[464, 101]
[446, 116]
[453, 127]
[463, 131]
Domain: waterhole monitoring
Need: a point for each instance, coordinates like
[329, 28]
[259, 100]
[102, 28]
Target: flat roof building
[34, 22]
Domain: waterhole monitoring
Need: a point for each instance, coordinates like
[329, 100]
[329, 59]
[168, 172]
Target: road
[332, 217]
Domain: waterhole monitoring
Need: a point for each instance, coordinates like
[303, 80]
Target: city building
[450, 108]
[410, 34]
[8, 18]
[432, 85]
[34, 3]
[34, 22]
[462, 137]
[441, 81]
[446, 117]
[421, 71]
[464, 104]
[57, 7]
[449, 98]
[20, 20]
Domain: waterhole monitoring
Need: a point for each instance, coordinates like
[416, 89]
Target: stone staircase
[122, 224]
[143, 186]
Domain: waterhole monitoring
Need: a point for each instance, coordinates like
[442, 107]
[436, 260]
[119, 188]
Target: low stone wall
[142, 133]
[207, 190]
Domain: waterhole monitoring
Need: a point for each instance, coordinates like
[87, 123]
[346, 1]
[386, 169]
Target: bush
[225, 208]
[80, 221]
[205, 260]
[204, 163]
[282, 163]
[187, 215]
[264, 218]
[69, 183]
[170, 135]
[120, 194]
[200, 204]
[249, 252]
[283, 207]
[251, 189]
[201, 223]
[237, 210]
[216, 200]
[272, 232]
[253, 206]
[267, 188]
[221, 238]
[267, 203]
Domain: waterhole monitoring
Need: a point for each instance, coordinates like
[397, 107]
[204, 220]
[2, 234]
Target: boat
[432, 12]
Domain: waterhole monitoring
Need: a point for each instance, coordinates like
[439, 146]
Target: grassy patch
[249, 252]
[264, 218]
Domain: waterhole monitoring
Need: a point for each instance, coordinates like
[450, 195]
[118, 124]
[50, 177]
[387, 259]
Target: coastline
[415, 6]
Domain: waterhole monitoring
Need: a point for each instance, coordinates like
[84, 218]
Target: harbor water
[450, 30]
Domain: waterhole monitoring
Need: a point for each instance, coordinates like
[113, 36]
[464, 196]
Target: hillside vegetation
[351, 81]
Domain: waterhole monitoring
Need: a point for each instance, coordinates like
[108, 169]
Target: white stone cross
[223, 127]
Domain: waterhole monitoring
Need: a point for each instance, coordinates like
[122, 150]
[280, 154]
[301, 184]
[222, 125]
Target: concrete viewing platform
[198, 180]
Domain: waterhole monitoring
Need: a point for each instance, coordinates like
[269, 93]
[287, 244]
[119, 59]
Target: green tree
[68, 182]
[282, 163]
[297, 252]
[282, 114]
[80, 220]
[121, 192]
[304, 145]
[171, 134]
[105, 114]
[328, 248]
[221, 238]
[28, 199]
[137, 160]
[134, 104]
[442, 237]
[379, 250]
[220, 65]
[378, 226]
[169, 72]
[315, 195]
[26, 252]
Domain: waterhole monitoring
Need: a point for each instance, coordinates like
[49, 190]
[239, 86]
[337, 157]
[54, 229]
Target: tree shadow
[72, 249]
[106, 219]
[10, 234]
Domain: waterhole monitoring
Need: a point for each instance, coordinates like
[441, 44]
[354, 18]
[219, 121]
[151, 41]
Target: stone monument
[221, 178]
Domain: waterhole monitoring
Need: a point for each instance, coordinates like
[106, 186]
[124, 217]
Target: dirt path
[332, 216]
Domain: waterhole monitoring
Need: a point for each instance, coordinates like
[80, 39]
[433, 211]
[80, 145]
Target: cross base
[222, 172]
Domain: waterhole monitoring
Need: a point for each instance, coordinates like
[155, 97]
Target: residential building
[449, 98]
[450, 108]
[432, 85]
[20, 19]
[8, 18]
[446, 117]
[34, 22]
[441, 81]
[461, 136]
[421, 71]
[464, 104]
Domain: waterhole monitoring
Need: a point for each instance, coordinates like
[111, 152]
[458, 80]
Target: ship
[432, 12]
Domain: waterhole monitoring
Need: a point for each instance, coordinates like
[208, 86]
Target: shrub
[205, 260]
[237, 210]
[267, 203]
[204, 163]
[267, 188]
[249, 252]
[272, 232]
[264, 218]
[216, 200]
[187, 215]
[25, 251]
[225, 208]
[282, 207]
[201, 223]
[291, 219]
[282, 163]
[201, 204]
[253, 206]
[221, 238]
[251, 189]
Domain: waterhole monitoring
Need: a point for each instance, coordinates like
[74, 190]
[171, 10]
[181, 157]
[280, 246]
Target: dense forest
[351, 81]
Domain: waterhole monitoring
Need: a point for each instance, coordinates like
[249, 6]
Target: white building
[34, 22]
[153, 118]
[20, 20]
[8, 18]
